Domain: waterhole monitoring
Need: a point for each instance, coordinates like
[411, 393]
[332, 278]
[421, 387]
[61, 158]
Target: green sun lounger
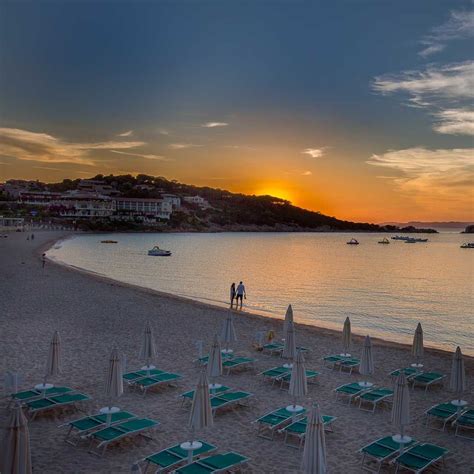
[334, 359]
[205, 359]
[131, 377]
[275, 373]
[29, 395]
[311, 376]
[464, 421]
[172, 457]
[348, 364]
[226, 462]
[237, 362]
[379, 452]
[298, 429]
[427, 379]
[443, 413]
[277, 348]
[407, 371]
[188, 396]
[349, 390]
[228, 399]
[145, 383]
[111, 434]
[50, 403]
[87, 424]
[420, 457]
[269, 423]
[373, 397]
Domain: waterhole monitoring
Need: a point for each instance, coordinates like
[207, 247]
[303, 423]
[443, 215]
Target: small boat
[352, 242]
[468, 245]
[109, 242]
[384, 241]
[410, 241]
[414, 240]
[157, 252]
[400, 237]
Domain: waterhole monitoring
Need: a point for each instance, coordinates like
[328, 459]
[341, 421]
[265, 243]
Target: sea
[384, 289]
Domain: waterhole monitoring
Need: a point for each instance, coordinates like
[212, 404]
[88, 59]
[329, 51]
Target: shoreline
[382, 342]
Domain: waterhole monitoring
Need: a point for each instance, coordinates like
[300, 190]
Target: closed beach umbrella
[457, 382]
[298, 382]
[15, 448]
[228, 331]
[214, 364]
[401, 404]
[201, 412]
[53, 364]
[289, 349]
[288, 319]
[366, 360]
[417, 346]
[148, 349]
[346, 336]
[314, 454]
[114, 387]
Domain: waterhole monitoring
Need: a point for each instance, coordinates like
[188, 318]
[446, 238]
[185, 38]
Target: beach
[94, 314]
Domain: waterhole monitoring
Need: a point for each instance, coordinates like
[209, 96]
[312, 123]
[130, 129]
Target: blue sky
[348, 79]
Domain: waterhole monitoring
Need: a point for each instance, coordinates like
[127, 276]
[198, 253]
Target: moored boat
[109, 242]
[384, 241]
[352, 242]
[157, 252]
[468, 245]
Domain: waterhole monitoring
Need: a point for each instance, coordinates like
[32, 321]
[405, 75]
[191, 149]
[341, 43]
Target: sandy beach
[93, 314]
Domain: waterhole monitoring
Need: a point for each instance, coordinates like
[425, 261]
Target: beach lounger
[51, 403]
[188, 396]
[227, 462]
[298, 429]
[373, 397]
[172, 457]
[29, 395]
[348, 364]
[205, 359]
[269, 423]
[111, 434]
[145, 383]
[311, 376]
[132, 377]
[277, 348]
[275, 373]
[228, 399]
[407, 371]
[349, 390]
[379, 452]
[443, 413]
[419, 457]
[236, 363]
[334, 359]
[427, 379]
[464, 421]
[85, 425]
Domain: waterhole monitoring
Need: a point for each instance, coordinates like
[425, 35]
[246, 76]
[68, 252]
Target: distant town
[148, 203]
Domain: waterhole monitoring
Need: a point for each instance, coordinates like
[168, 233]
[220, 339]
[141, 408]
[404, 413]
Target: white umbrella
[298, 381]
[148, 350]
[346, 337]
[417, 346]
[289, 349]
[53, 363]
[201, 414]
[314, 454]
[228, 332]
[457, 382]
[15, 456]
[366, 366]
[114, 384]
[214, 364]
[401, 408]
[288, 319]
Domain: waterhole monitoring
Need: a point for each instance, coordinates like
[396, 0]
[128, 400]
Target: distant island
[435, 224]
[469, 229]
[149, 203]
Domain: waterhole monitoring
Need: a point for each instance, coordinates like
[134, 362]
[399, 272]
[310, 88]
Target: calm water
[385, 289]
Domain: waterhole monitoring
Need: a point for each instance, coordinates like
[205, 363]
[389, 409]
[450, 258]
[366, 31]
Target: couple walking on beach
[237, 294]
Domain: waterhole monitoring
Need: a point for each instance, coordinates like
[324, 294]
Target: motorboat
[352, 242]
[414, 240]
[468, 245]
[384, 241]
[157, 252]
[109, 242]
[400, 237]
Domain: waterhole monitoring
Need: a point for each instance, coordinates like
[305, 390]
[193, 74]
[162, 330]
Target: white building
[84, 205]
[38, 198]
[197, 200]
[156, 208]
[174, 200]
[96, 186]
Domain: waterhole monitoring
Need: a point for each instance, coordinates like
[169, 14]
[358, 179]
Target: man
[232, 295]
[241, 294]
[43, 259]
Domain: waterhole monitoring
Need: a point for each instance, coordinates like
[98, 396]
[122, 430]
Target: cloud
[46, 168]
[431, 176]
[126, 134]
[214, 124]
[459, 26]
[182, 146]
[142, 155]
[443, 90]
[315, 152]
[306, 173]
[162, 131]
[33, 146]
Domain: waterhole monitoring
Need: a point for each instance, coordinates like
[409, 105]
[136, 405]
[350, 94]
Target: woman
[232, 295]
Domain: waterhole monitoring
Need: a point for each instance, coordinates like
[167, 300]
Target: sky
[358, 109]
